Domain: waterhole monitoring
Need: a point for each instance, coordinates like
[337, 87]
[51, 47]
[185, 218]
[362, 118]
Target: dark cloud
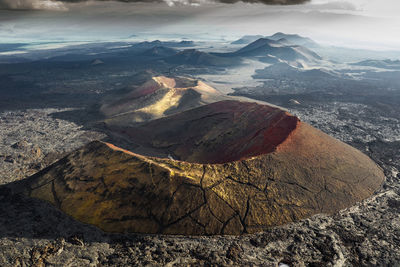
[268, 2]
[31, 4]
[62, 4]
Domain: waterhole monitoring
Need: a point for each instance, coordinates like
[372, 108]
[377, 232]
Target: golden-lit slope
[159, 97]
[299, 173]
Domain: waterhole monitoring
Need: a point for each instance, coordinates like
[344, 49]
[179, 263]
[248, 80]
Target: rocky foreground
[35, 233]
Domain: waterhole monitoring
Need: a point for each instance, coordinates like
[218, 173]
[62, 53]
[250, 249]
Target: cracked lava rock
[243, 167]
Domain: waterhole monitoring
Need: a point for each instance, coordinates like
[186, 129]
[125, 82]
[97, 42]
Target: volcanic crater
[220, 132]
[228, 167]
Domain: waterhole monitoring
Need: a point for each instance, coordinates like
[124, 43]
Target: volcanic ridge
[226, 167]
[158, 97]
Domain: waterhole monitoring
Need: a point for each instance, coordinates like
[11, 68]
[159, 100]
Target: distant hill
[247, 39]
[159, 51]
[289, 39]
[158, 43]
[383, 64]
[284, 70]
[268, 47]
[184, 43]
[195, 57]
[97, 62]
[284, 41]
[147, 45]
[258, 47]
[294, 39]
[11, 47]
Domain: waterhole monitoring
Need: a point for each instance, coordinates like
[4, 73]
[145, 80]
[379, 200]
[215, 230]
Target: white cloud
[187, 2]
[375, 8]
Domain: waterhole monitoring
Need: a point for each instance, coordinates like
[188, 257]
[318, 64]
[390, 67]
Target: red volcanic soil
[220, 132]
[146, 89]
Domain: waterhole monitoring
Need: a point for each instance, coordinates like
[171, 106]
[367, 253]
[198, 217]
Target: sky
[372, 24]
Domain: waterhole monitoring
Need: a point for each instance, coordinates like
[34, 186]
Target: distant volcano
[278, 49]
[158, 97]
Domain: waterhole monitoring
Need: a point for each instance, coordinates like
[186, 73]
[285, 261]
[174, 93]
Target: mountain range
[290, 39]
